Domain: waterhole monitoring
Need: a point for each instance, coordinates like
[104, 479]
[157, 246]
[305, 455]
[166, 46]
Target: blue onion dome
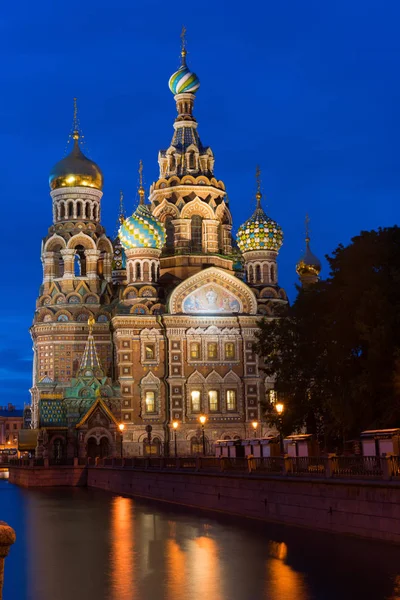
[142, 230]
[76, 170]
[183, 80]
[308, 263]
[259, 232]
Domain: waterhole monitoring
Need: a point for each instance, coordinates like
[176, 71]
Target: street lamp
[175, 425]
[202, 420]
[121, 427]
[255, 425]
[279, 409]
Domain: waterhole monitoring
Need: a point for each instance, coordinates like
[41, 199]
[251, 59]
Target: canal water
[80, 544]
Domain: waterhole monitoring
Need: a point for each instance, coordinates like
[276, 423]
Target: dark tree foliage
[336, 352]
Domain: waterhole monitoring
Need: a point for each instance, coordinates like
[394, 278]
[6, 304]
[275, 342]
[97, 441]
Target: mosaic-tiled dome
[142, 230]
[184, 81]
[259, 233]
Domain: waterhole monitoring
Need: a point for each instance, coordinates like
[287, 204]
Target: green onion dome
[259, 233]
[142, 230]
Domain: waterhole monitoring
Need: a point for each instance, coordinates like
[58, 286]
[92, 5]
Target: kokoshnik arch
[158, 324]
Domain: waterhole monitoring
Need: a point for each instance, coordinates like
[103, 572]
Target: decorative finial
[258, 181]
[307, 226]
[121, 216]
[91, 322]
[75, 133]
[183, 45]
[141, 188]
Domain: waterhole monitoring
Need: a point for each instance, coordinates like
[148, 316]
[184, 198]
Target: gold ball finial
[141, 188]
[91, 323]
[258, 182]
[183, 45]
[75, 133]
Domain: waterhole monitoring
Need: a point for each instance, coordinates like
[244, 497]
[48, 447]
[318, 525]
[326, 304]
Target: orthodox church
[155, 328]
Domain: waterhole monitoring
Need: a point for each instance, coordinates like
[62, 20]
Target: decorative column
[211, 238]
[107, 267]
[182, 234]
[92, 256]
[49, 271]
[226, 239]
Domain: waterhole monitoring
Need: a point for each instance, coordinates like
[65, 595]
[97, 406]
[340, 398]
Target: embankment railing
[336, 467]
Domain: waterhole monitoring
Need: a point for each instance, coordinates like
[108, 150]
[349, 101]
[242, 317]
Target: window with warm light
[195, 398]
[213, 400]
[149, 351]
[150, 401]
[231, 400]
[194, 350]
[212, 350]
[229, 350]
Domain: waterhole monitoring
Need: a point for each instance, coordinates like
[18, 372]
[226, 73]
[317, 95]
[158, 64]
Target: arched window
[100, 264]
[70, 209]
[192, 160]
[79, 209]
[258, 274]
[146, 271]
[170, 230]
[61, 210]
[197, 233]
[172, 164]
[154, 272]
[272, 274]
[138, 271]
[80, 262]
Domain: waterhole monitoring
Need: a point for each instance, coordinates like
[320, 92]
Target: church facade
[158, 325]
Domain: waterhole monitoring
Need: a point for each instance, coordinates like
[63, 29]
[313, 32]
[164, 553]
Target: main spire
[90, 363]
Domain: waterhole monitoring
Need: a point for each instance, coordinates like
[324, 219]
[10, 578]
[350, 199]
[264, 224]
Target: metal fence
[357, 467]
[337, 467]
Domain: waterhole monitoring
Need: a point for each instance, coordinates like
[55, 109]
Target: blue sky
[309, 90]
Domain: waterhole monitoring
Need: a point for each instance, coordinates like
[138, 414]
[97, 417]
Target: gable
[212, 291]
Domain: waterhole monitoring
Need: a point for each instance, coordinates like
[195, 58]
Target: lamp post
[202, 420]
[121, 427]
[255, 425]
[279, 409]
[175, 425]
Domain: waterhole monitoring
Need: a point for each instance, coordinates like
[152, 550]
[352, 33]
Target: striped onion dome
[184, 81]
[142, 230]
[259, 233]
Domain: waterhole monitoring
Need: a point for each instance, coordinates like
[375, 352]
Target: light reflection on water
[84, 544]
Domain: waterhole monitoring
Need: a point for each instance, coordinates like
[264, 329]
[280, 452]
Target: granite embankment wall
[48, 477]
[367, 509]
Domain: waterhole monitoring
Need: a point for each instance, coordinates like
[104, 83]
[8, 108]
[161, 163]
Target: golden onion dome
[308, 264]
[76, 170]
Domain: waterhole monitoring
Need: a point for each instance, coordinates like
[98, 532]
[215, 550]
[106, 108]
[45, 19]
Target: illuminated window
[150, 402]
[212, 350]
[194, 350]
[149, 351]
[231, 402]
[229, 350]
[213, 400]
[195, 397]
[197, 233]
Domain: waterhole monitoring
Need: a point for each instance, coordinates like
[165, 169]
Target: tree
[336, 352]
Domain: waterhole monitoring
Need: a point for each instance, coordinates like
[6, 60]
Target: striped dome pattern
[259, 233]
[184, 81]
[142, 230]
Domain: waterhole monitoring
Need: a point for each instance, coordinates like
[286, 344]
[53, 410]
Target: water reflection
[90, 545]
[122, 549]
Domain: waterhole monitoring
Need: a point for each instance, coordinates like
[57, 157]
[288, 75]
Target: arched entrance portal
[101, 450]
